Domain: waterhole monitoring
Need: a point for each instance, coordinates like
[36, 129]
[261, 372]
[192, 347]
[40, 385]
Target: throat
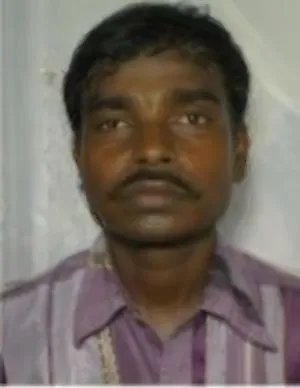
[165, 285]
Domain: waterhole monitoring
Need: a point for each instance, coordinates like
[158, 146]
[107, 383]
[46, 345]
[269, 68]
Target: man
[156, 97]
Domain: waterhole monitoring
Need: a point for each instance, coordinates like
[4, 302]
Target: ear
[76, 152]
[241, 153]
[76, 158]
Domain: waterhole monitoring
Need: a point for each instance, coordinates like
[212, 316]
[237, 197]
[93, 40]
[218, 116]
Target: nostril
[142, 160]
[166, 159]
[146, 160]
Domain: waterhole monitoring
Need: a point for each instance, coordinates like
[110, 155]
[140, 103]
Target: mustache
[156, 174]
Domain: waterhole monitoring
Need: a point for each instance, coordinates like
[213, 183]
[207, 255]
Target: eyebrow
[120, 102]
[98, 102]
[192, 95]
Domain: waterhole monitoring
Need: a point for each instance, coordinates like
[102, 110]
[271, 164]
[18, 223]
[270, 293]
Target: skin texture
[158, 158]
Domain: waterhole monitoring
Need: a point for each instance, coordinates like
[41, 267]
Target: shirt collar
[234, 296]
[100, 297]
[231, 295]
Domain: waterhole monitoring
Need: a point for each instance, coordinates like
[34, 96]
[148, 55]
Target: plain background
[43, 217]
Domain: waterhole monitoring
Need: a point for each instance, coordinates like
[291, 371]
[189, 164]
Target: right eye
[112, 124]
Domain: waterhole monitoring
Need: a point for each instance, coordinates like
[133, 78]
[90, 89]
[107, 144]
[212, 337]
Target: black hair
[145, 28]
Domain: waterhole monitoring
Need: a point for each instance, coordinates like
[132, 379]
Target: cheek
[101, 165]
[211, 163]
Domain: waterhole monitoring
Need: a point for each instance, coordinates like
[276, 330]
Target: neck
[163, 278]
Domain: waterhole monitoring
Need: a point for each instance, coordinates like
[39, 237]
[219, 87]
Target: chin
[156, 227]
[151, 239]
[143, 235]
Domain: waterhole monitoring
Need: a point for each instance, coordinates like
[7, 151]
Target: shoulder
[259, 271]
[25, 292]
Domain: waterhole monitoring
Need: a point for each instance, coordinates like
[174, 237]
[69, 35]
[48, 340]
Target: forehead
[159, 73]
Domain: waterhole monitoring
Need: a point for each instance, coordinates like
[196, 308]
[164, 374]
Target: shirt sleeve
[291, 300]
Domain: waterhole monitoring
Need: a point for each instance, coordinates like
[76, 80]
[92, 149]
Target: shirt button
[164, 377]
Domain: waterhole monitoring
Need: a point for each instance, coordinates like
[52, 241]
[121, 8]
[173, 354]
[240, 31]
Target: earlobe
[240, 169]
[75, 153]
[242, 146]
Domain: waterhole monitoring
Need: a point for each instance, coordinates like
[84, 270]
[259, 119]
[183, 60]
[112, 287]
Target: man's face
[157, 156]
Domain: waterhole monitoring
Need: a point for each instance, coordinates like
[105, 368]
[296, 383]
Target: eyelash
[112, 124]
[197, 116]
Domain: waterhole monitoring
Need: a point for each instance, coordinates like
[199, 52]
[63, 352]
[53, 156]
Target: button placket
[176, 361]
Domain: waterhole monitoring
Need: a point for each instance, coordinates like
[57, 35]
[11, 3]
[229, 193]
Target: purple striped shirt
[141, 355]
[142, 358]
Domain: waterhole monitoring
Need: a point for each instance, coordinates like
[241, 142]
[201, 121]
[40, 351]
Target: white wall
[49, 219]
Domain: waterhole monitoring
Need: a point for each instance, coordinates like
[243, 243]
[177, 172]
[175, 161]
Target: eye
[193, 119]
[112, 124]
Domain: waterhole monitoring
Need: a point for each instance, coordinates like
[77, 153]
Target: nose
[154, 146]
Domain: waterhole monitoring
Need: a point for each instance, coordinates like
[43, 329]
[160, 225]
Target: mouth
[152, 187]
[153, 193]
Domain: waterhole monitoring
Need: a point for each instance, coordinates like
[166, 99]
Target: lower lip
[153, 197]
[152, 200]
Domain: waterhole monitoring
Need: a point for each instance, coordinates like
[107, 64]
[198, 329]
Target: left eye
[192, 119]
